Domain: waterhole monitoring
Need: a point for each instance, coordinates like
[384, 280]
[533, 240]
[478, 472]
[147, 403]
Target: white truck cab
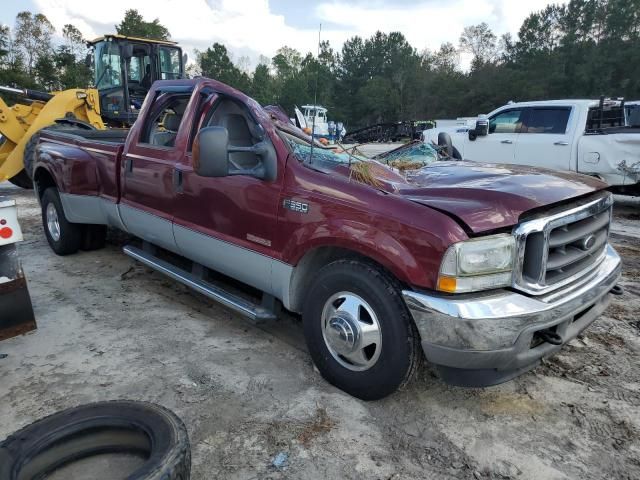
[585, 136]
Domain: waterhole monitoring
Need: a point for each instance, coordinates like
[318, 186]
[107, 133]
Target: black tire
[444, 141]
[95, 237]
[22, 180]
[104, 427]
[70, 234]
[400, 353]
[456, 154]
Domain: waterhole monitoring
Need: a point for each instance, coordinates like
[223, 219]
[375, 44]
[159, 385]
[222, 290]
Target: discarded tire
[98, 428]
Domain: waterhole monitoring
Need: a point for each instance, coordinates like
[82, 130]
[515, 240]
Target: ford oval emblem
[588, 242]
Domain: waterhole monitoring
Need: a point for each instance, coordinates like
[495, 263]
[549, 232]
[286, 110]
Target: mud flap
[16, 311]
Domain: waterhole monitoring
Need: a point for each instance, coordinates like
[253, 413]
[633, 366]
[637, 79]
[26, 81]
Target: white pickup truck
[593, 137]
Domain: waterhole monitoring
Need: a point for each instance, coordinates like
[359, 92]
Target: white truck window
[505, 122]
[547, 120]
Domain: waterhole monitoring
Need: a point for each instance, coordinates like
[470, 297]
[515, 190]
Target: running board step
[254, 312]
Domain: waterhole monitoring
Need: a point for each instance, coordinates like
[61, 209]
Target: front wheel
[359, 331]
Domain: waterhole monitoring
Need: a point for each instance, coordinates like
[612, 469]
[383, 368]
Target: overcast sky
[259, 27]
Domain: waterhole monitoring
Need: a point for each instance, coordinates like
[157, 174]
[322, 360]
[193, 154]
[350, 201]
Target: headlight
[478, 264]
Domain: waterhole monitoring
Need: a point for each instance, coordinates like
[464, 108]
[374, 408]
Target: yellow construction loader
[124, 69]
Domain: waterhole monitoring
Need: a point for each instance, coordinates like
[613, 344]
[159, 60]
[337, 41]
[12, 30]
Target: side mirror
[211, 152]
[481, 130]
[127, 51]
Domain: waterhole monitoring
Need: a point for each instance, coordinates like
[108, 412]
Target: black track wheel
[63, 236]
[22, 180]
[104, 427]
[359, 331]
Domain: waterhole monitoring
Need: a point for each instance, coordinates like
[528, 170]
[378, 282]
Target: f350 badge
[295, 206]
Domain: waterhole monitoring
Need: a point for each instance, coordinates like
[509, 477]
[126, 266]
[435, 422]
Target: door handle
[562, 144]
[177, 180]
[507, 142]
[128, 165]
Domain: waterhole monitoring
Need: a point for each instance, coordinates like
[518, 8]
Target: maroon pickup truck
[485, 268]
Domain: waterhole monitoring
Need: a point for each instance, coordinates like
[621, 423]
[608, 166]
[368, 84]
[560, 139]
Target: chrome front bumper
[486, 338]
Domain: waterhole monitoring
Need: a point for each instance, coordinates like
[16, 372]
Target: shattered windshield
[390, 168]
[323, 156]
[411, 156]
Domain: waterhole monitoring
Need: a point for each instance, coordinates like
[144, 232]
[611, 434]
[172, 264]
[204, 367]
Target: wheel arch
[318, 257]
[43, 179]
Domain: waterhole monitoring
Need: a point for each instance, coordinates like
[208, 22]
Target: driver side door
[229, 223]
[499, 145]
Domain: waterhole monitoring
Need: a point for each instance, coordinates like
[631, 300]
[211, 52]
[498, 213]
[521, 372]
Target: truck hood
[490, 196]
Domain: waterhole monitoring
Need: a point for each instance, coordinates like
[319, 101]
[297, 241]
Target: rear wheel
[359, 331]
[63, 236]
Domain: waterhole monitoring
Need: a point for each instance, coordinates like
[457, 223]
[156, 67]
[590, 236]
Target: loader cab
[124, 70]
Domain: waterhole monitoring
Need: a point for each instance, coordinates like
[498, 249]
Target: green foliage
[262, 85]
[133, 25]
[32, 38]
[480, 41]
[215, 63]
[70, 60]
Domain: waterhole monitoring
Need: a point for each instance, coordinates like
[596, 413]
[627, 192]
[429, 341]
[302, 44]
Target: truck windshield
[107, 66]
[321, 155]
[169, 63]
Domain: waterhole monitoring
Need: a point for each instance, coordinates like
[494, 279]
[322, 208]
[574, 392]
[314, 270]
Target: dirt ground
[111, 329]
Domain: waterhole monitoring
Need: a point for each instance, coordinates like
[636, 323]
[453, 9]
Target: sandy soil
[109, 329]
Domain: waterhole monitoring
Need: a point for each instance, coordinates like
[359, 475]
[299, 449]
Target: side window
[169, 63]
[547, 120]
[243, 131]
[505, 122]
[162, 124]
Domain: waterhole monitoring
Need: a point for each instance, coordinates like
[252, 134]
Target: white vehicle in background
[320, 123]
[592, 137]
[315, 116]
[458, 122]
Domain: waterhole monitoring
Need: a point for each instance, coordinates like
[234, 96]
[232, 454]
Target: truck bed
[92, 158]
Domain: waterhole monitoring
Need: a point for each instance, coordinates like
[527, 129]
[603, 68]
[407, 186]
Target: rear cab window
[553, 120]
[162, 124]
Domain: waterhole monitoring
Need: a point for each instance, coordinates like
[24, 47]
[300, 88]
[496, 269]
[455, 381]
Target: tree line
[585, 48]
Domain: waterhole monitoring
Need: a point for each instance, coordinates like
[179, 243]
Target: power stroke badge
[295, 206]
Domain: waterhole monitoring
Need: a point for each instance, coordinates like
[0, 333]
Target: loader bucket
[21, 121]
[16, 311]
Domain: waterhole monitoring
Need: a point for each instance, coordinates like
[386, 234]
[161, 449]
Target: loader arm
[20, 122]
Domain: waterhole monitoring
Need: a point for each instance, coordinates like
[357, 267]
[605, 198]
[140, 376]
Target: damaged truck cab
[486, 269]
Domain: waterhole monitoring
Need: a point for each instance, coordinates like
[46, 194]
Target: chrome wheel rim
[351, 331]
[53, 225]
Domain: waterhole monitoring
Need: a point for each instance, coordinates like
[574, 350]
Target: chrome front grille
[561, 247]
